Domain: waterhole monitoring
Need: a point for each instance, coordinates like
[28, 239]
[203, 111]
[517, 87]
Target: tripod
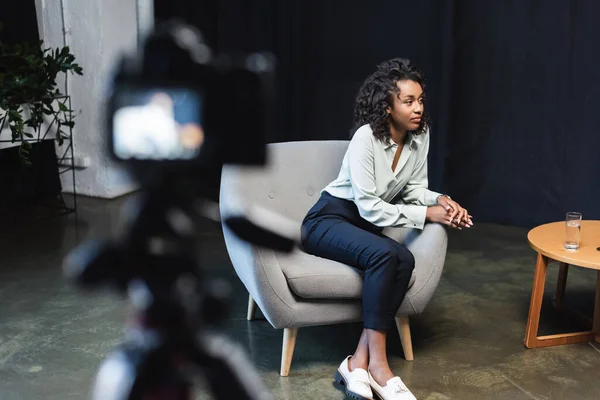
[165, 343]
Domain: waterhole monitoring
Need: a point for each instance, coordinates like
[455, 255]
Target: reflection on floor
[468, 344]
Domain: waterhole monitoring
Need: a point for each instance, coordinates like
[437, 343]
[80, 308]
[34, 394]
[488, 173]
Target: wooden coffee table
[548, 241]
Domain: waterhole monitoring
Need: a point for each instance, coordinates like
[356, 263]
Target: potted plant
[28, 92]
[33, 109]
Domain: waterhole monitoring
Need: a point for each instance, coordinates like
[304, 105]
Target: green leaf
[63, 107]
[29, 135]
[14, 114]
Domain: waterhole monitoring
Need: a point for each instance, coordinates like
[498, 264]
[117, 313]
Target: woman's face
[407, 109]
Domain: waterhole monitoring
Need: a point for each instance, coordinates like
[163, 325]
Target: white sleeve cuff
[415, 215]
[431, 198]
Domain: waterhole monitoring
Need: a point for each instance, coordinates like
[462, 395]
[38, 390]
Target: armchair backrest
[291, 181]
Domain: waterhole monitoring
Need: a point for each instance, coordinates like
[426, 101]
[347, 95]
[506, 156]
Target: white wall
[97, 32]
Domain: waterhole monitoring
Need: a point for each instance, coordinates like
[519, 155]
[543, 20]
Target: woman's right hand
[440, 215]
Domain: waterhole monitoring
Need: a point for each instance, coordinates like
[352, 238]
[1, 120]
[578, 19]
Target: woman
[382, 182]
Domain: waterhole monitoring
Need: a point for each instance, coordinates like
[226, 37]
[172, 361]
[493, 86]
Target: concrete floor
[468, 344]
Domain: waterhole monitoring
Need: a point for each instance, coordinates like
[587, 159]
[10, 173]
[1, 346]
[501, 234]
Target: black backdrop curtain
[513, 87]
[523, 144]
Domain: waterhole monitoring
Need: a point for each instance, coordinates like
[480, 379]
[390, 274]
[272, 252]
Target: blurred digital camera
[175, 106]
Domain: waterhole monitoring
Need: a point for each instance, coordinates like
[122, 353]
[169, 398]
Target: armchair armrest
[429, 249]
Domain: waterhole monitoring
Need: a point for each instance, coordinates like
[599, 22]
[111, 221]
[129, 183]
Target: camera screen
[157, 124]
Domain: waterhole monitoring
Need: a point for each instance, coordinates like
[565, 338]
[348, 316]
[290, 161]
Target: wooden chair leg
[251, 308]
[287, 351]
[404, 331]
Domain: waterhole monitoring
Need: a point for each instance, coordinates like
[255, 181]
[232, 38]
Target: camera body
[175, 108]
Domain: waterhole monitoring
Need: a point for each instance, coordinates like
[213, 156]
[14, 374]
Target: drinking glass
[573, 230]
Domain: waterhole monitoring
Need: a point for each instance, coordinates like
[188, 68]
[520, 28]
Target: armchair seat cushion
[312, 277]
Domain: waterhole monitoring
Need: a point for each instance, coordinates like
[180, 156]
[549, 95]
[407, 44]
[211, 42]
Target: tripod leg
[228, 371]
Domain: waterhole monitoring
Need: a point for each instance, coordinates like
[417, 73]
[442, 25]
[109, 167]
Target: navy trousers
[334, 229]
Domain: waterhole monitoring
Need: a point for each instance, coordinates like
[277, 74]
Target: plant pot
[23, 185]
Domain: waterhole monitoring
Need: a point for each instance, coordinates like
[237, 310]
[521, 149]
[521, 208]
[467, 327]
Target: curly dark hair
[377, 92]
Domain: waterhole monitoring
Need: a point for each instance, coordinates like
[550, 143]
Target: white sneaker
[395, 389]
[356, 382]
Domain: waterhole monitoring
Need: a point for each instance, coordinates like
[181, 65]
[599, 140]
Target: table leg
[559, 298]
[596, 327]
[532, 340]
[561, 285]
[537, 296]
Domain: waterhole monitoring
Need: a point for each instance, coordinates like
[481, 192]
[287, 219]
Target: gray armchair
[298, 289]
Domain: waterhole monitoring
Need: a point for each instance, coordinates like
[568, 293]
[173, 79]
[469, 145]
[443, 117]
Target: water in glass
[573, 234]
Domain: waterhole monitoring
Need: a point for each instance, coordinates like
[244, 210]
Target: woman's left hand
[458, 215]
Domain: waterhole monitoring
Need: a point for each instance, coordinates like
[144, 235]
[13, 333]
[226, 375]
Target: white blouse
[366, 177]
